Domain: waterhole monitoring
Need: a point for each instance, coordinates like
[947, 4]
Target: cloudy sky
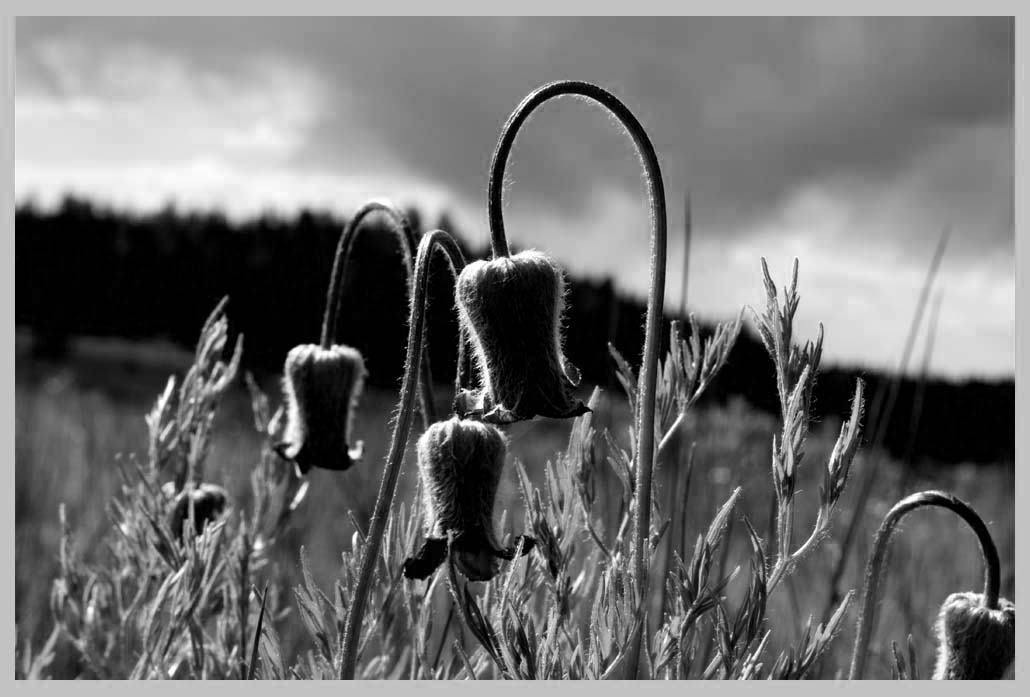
[847, 143]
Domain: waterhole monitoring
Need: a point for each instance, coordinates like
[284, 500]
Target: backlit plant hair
[511, 309]
[645, 412]
[434, 241]
[512, 306]
[975, 642]
[460, 463]
[322, 382]
[988, 602]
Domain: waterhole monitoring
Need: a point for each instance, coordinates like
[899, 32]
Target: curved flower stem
[401, 229]
[867, 616]
[656, 296]
[436, 240]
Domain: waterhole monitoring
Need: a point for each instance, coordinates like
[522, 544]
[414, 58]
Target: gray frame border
[326, 7]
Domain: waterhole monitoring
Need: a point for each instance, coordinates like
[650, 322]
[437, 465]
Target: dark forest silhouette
[88, 270]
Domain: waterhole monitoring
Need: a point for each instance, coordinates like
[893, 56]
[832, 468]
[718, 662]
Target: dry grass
[76, 421]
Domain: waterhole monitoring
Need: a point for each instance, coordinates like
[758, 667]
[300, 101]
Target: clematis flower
[321, 386]
[460, 463]
[511, 309]
[209, 501]
[974, 642]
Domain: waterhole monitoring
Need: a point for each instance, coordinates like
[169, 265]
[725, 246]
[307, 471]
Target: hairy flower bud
[974, 642]
[511, 309]
[208, 503]
[460, 463]
[321, 387]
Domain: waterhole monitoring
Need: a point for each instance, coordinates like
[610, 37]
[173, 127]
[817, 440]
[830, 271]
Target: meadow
[519, 524]
[77, 419]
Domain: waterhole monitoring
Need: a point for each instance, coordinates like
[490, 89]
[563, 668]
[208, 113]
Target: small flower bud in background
[208, 503]
[511, 308]
[460, 463]
[321, 387]
[974, 642]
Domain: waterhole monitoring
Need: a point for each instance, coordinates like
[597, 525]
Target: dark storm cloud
[847, 143]
[744, 111]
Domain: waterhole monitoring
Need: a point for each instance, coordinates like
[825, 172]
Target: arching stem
[867, 616]
[401, 229]
[652, 331]
[436, 240]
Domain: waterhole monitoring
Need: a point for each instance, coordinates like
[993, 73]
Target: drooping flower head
[974, 641]
[209, 501]
[321, 386]
[511, 310]
[460, 463]
[976, 632]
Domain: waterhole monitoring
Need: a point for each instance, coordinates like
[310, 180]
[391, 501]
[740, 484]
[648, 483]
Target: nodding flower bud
[209, 501]
[511, 309]
[321, 387]
[975, 642]
[460, 463]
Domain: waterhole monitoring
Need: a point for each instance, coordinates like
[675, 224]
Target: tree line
[83, 269]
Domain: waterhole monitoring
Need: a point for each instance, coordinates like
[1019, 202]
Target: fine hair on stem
[877, 560]
[644, 417]
[437, 240]
[405, 236]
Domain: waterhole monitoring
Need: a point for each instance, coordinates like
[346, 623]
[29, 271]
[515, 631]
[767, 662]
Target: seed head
[460, 463]
[321, 386]
[209, 501]
[511, 309]
[974, 642]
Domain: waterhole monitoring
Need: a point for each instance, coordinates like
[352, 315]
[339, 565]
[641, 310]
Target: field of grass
[77, 419]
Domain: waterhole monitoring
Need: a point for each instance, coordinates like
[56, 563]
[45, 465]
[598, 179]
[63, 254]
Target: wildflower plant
[975, 641]
[180, 423]
[644, 418]
[321, 385]
[602, 579]
[435, 241]
[170, 591]
[322, 382]
[207, 501]
[460, 463]
[511, 308]
[688, 371]
[796, 367]
[976, 631]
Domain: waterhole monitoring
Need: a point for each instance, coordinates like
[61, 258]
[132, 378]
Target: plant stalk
[688, 230]
[867, 616]
[401, 229]
[436, 240]
[880, 419]
[648, 379]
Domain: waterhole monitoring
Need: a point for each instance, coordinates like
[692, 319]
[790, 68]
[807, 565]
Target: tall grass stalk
[918, 399]
[688, 230]
[880, 417]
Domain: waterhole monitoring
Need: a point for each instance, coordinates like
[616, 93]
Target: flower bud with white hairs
[511, 309]
[460, 463]
[321, 387]
[974, 641]
[209, 501]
